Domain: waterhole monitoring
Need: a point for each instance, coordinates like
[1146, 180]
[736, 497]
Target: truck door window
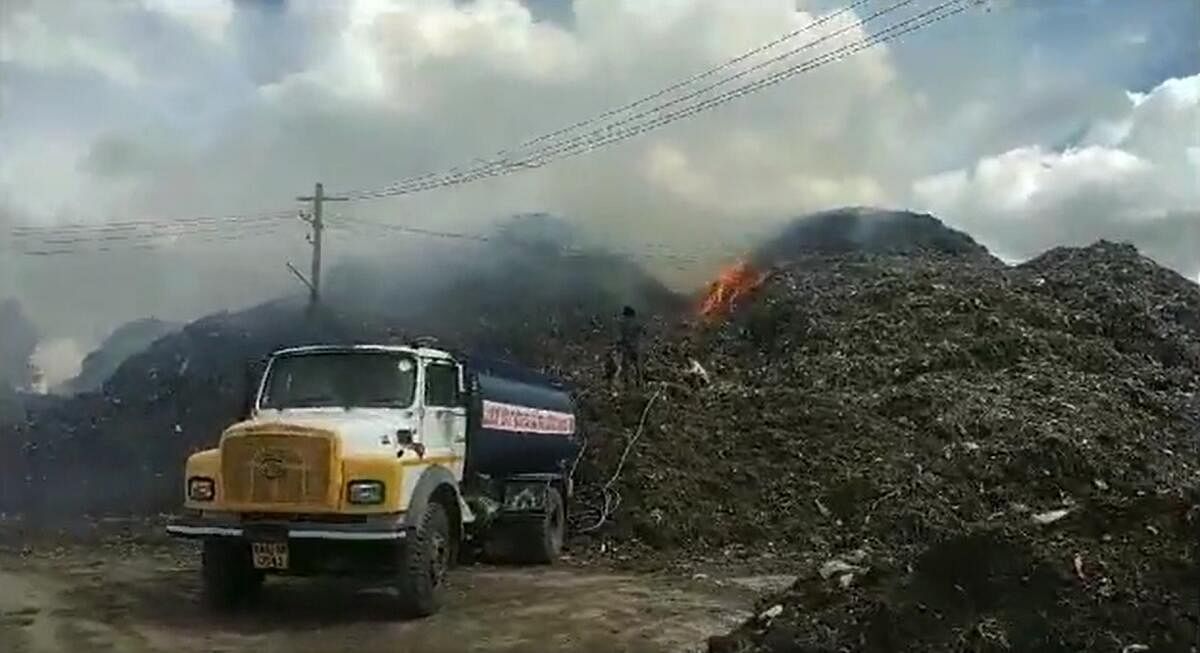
[441, 384]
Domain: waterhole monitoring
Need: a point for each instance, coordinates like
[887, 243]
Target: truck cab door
[444, 418]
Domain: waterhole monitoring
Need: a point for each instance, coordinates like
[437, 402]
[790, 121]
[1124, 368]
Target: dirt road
[136, 598]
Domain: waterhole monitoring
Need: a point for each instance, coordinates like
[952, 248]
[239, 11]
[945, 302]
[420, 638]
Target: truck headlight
[364, 492]
[200, 488]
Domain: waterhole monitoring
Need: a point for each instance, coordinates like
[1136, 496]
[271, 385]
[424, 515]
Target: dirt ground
[135, 597]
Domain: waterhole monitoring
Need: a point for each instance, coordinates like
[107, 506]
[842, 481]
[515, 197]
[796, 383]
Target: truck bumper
[301, 547]
[388, 528]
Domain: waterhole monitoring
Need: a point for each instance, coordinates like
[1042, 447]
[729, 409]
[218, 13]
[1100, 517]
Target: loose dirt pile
[955, 455]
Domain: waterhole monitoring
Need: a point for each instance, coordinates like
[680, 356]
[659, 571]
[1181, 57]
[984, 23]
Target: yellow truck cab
[380, 461]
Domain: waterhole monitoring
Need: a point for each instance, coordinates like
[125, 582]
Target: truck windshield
[342, 379]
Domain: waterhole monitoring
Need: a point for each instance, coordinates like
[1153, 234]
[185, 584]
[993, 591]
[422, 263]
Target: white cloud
[1027, 182]
[1138, 178]
[394, 52]
[26, 39]
[209, 18]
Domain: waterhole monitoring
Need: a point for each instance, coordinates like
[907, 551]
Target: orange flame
[731, 285]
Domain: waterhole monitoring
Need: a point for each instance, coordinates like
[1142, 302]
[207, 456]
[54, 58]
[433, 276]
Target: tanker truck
[381, 462]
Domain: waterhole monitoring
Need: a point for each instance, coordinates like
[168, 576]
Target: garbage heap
[951, 454]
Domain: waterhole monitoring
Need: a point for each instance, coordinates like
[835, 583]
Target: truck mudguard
[431, 478]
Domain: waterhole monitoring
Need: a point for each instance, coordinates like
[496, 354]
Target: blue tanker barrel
[520, 423]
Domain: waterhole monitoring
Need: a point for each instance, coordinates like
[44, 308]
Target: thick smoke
[17, 345]
[181, 109]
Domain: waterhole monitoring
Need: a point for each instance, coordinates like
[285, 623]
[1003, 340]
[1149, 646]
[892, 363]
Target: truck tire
[425, 558]
[229, 578]
[542, 540]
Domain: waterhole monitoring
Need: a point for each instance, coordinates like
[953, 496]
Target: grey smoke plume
[182, 109]
[18, 340]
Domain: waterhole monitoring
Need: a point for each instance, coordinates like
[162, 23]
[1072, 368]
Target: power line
[649, 250]
[702, 75]
[577, 146]
[65, 248]
[551, 154]
[915, 23]
[54, 237]
[606, 135]
[504, 154]
[134, 225]
[721, 82]
[146, 234]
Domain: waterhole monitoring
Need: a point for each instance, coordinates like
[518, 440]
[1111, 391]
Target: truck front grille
[277, 469]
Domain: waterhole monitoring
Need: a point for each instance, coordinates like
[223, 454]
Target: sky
[1028, 123]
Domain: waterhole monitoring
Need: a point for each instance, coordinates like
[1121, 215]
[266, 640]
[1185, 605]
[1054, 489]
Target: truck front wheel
[229, 577]
[425, 559]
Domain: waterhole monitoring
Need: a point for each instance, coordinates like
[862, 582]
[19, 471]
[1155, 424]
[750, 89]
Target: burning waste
[939, 447]
[733, 285]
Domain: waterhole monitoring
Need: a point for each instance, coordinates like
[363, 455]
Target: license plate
[269, 555]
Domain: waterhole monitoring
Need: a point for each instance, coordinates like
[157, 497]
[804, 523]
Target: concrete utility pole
[316, 219]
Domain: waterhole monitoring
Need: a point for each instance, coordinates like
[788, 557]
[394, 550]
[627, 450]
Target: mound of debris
[1128, 299]
[954, 455]
[865, 230]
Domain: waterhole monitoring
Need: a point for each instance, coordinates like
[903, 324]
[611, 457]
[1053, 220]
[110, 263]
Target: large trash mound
[865, 230]
[955, 455]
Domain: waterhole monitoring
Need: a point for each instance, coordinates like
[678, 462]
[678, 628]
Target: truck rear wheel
[229, 577]
[542, 540]
[425, 559]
